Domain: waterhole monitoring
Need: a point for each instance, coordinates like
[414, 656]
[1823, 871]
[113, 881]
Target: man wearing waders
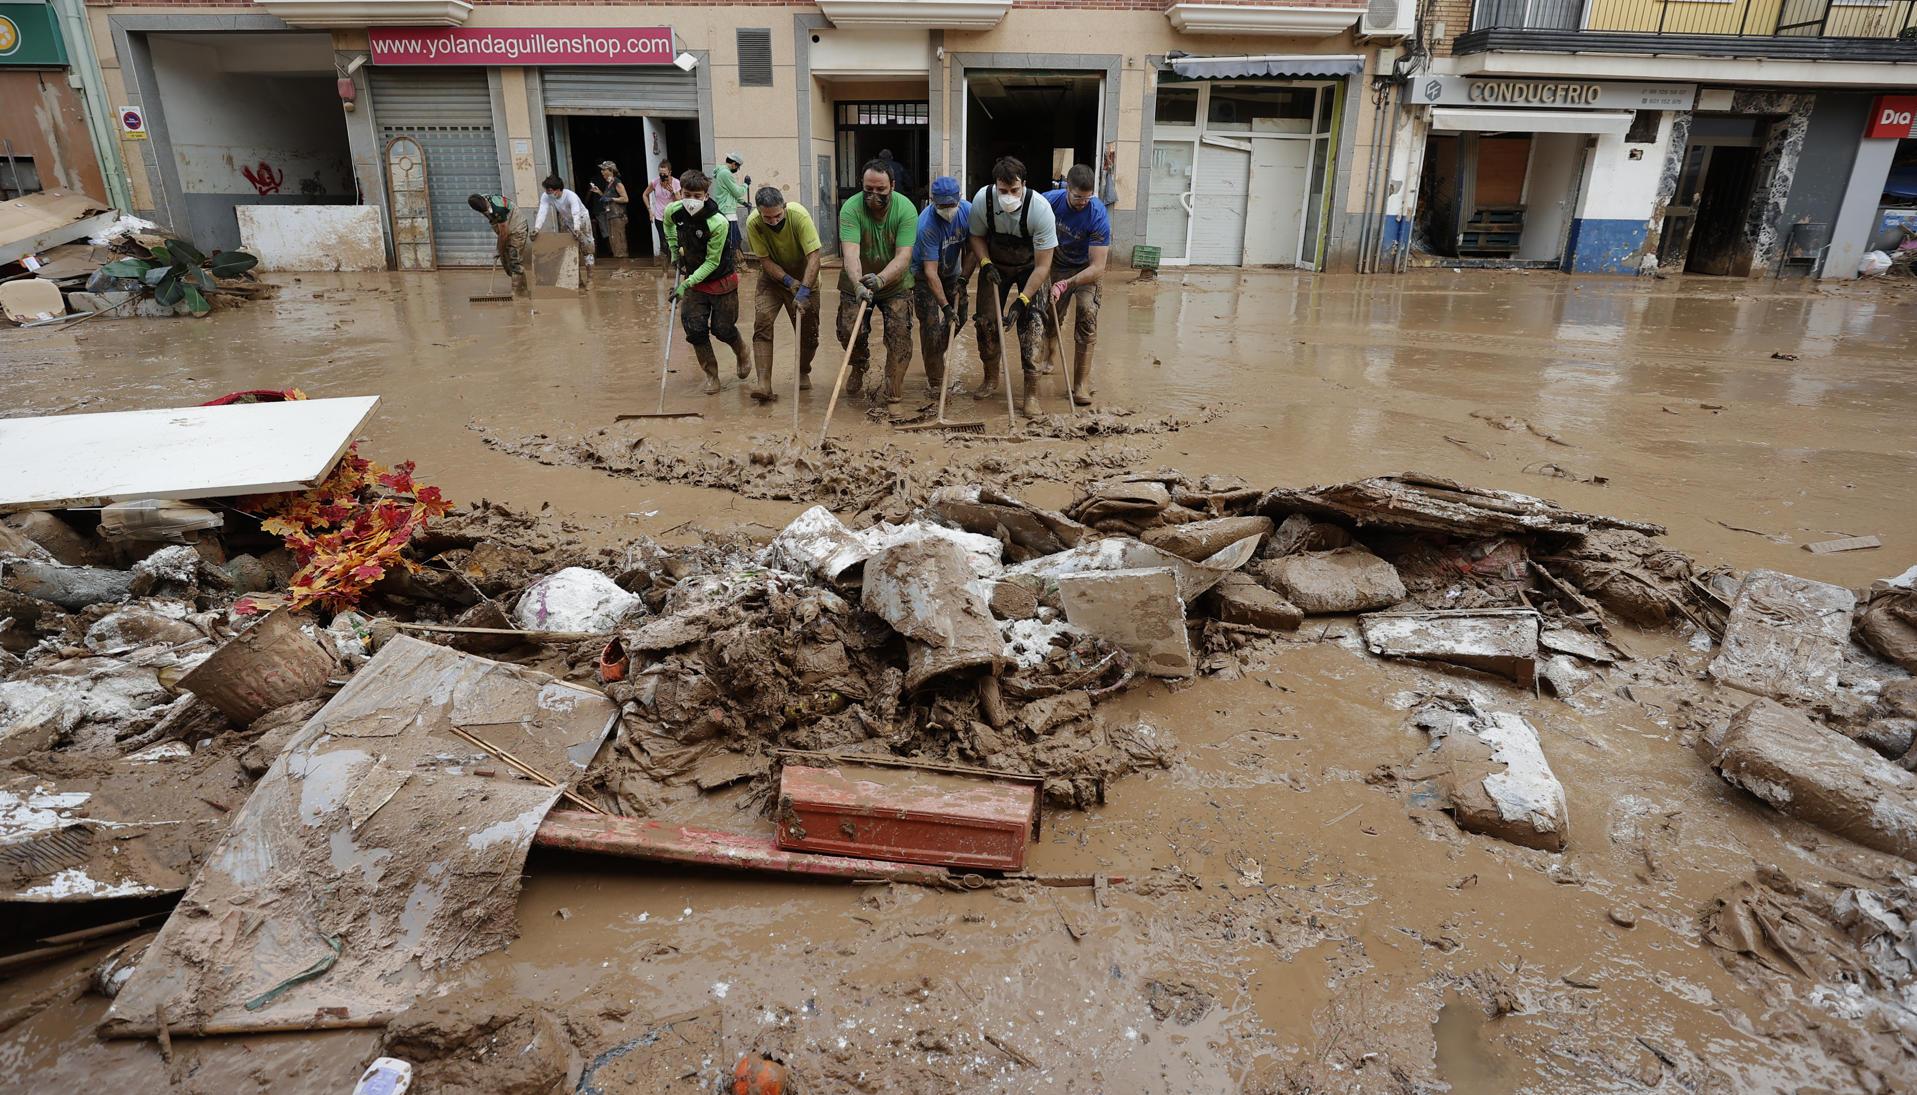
[708, 291]
[1013, 236]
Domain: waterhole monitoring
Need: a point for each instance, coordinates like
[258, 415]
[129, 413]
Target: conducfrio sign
[521, 45]
[1550, 94]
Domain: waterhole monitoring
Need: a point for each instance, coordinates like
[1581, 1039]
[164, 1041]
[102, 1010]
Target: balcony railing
[1813, 29]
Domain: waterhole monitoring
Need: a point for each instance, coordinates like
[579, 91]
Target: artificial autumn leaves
[346, 533]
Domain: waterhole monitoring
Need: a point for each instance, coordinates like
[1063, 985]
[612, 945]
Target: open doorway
[580, 142]
[897, 130]
[1049, 120]
[1704, 223]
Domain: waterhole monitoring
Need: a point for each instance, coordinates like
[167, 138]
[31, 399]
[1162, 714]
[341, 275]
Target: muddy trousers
[706, 316]
[771, 305]
[1084, 330]
[935, 338]
[990, 347]
[515, 247]
[616, 233]
[896, 313]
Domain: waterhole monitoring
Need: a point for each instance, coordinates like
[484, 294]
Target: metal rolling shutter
[655, 92]
[450, 114]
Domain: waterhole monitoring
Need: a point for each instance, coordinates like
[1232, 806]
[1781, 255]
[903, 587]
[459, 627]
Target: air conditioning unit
[1388, 19]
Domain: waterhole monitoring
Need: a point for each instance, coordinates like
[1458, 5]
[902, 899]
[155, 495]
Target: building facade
[1225, 133]
[46, 140]
[1729, 137]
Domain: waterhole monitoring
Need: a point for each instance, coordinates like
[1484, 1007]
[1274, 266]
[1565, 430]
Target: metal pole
[86, 66]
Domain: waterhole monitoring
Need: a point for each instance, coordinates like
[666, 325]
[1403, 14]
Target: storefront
[1242, 165]
[1560, 174]
[44, 143]
[1879, 207]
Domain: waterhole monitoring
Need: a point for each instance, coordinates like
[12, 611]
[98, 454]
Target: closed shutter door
[663, 92]
[450, 114]
[1218, 194]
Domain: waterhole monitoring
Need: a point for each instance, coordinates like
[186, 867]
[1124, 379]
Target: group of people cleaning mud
[1035, 256]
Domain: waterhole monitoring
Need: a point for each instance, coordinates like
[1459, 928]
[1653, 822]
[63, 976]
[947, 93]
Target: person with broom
[513, 234]
[699, 247]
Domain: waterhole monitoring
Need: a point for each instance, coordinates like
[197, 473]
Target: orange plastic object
[907, 815]
[612, 662]
[758, 1076]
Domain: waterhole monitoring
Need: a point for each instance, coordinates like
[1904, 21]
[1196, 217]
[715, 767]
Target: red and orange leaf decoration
[346, 533]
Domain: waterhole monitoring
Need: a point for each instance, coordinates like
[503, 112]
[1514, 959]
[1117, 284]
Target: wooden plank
[186, 452]
[638, 838]
[1848, 543]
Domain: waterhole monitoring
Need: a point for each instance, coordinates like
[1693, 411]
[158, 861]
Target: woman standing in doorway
[659, 193]
[613, 200]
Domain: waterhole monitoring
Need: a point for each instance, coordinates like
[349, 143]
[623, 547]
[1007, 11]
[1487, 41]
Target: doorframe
[1198, 135]
[1107, 65]
[1689, 205]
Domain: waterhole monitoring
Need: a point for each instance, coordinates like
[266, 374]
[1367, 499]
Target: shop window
[1644, 125]
[1261, 109]
[1177, 106]
[755, 56]
[1900, 188]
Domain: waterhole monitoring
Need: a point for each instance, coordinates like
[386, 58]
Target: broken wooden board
[659, 842]
[1503, 642]
[427, 880]
[1848, 543]
[1786, 637]
[554, 269]
[1428, 503]
[185, 452]
[40, 222]
[906, 816]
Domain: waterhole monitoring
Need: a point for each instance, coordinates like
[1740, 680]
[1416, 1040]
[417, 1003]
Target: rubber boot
[709, 364]
[1082, 380]
[762, 391]
[1029, 405]
[805, 381]
[989, 387]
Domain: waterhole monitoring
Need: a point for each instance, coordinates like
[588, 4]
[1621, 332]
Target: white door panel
[1280, 181]
[1219, 185]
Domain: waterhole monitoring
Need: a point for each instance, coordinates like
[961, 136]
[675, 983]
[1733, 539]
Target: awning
[1267, 64]
[1482, 120]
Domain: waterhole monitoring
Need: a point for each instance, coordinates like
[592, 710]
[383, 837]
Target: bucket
[269, 665]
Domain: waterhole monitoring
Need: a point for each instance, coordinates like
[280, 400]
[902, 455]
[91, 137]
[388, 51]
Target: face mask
[693, 205]
[947, 211]
[1010, 202]
[663, 176]
[877, 201]
[779, 227]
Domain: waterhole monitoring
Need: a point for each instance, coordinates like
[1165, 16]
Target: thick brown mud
[1293, 918]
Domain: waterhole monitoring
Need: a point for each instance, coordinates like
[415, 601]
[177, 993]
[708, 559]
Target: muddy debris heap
[980, 633]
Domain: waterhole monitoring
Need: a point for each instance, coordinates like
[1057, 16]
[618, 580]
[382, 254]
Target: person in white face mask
[945, 263]
[708, 290]
[1013, 235]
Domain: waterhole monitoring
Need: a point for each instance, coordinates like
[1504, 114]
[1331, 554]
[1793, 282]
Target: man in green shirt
[513, 234]
[877, 229]
[730, 193]
[708, 290]
[786, 241]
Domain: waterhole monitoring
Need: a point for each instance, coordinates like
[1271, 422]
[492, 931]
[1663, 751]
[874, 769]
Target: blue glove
[788, 281]
[802, 294]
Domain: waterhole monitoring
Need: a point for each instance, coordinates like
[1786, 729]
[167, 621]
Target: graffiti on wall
[264, 179]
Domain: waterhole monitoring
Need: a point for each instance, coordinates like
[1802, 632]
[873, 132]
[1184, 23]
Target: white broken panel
[1498, 641]
[1497, 778]
[816, 543]
[1785, 637]
[1125, 553]
[1138, 610]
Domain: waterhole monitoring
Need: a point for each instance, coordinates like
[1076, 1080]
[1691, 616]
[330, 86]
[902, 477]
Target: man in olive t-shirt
[782, 235]
[877, 229]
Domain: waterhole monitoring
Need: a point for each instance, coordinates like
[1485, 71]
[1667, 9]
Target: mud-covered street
[1279, 903]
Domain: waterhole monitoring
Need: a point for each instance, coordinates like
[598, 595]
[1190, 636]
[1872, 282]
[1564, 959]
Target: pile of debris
[64, 256]
[503, 668]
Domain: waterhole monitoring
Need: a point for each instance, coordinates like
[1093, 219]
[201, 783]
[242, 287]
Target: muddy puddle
[1291, 919]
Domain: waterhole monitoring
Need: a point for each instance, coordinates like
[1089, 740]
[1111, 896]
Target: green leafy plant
[178, 271]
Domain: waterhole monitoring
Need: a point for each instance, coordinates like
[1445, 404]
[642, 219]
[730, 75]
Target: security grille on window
[755, 57]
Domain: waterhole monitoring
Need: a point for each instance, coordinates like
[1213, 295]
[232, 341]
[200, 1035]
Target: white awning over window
[1486, 120]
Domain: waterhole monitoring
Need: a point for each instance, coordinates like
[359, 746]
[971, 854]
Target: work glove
[679, 290]
[788, 281]
[1017, 309]
[802, 294]
[862, 292]
[951, 316]
[871, 282]
[1060, 288]
[989, 272]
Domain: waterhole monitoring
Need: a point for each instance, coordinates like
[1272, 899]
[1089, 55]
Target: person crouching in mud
[513, 233]
[698, 242]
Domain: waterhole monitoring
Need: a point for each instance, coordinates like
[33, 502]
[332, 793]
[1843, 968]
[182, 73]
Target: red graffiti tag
[267, 181]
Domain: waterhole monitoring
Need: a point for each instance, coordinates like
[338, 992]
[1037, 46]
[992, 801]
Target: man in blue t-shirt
[944, 263]
[1084, 245]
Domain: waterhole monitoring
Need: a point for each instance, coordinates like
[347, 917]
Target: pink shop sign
[521, 45]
